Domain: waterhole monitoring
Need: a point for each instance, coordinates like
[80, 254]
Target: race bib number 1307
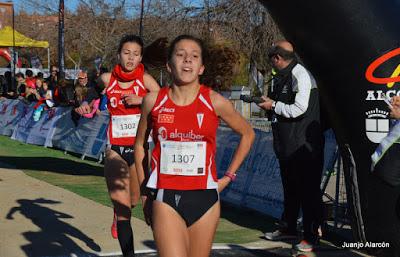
[183, 158]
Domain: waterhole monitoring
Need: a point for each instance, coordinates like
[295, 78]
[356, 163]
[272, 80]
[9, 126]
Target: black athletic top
[296, 119]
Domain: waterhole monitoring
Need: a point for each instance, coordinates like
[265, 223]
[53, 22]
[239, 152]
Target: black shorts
[126, 152]
[191, 205]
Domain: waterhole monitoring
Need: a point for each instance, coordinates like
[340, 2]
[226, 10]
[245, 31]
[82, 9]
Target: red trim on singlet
[194, 122]
[116, 107]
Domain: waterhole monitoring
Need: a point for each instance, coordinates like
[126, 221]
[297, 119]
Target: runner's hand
[222, 183]
[132, 99]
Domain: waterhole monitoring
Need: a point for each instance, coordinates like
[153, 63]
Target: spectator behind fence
[52, 80]
[45, 92]
[85, 94]
[298, 144]
[44, 96]
[93, 75]
[3, 86]
[64, 93]
[39, 75]
[20, 85]
[39, 86]
[9, 92]
[29, 75]
[84, 89]
[31, 94]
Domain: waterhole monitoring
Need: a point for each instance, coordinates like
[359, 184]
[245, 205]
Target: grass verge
[85, 178]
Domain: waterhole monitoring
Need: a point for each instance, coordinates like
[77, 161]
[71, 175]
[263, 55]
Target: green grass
[85, 178]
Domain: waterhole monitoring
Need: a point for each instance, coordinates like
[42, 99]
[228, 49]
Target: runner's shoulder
[149, 100]
[150, 83]
[218, 101]
[104, 78]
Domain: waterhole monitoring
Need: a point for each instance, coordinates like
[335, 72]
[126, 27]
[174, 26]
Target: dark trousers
[301, 180]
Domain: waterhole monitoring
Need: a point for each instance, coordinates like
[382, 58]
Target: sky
[24, 4]
[72, 4]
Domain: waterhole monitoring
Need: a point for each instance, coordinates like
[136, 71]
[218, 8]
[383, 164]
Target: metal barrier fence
[258, 184]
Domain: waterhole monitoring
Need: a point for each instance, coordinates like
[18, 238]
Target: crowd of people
[180, 190]
[48, 92]
[25, 86]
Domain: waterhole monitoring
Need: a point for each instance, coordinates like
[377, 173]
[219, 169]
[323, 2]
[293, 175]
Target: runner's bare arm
[104, 80]
[150, 83]
[142, 134]
[224, 109]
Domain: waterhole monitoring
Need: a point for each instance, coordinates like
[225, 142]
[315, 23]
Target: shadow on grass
[237, 250]
[254, 220]
[51, 164]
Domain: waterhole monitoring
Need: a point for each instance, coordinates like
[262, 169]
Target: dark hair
[131, 38]
[186, 37]
[285, 54]
[28, 73]
[20, 74]
[103, 70]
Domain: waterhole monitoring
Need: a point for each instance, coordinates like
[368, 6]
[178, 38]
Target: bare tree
[243, 26]
[92, 30]
[236, 32]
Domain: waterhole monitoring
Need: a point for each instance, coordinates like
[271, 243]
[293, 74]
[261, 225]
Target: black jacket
[297, 132]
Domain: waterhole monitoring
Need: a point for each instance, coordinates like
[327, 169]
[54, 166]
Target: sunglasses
[271, 55]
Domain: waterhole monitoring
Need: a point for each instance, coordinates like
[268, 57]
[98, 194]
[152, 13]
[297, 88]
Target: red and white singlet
[185, 143]
[124, 119]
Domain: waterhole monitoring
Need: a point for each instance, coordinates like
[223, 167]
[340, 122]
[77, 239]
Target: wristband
[230, 175]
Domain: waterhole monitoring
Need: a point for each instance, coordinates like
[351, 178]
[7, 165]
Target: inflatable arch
[352, 48]
[5, 53]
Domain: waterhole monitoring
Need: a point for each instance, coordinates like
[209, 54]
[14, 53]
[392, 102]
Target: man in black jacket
[298, 144]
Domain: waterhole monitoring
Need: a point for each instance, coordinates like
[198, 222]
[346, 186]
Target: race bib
[183, 158]
[124, 125]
